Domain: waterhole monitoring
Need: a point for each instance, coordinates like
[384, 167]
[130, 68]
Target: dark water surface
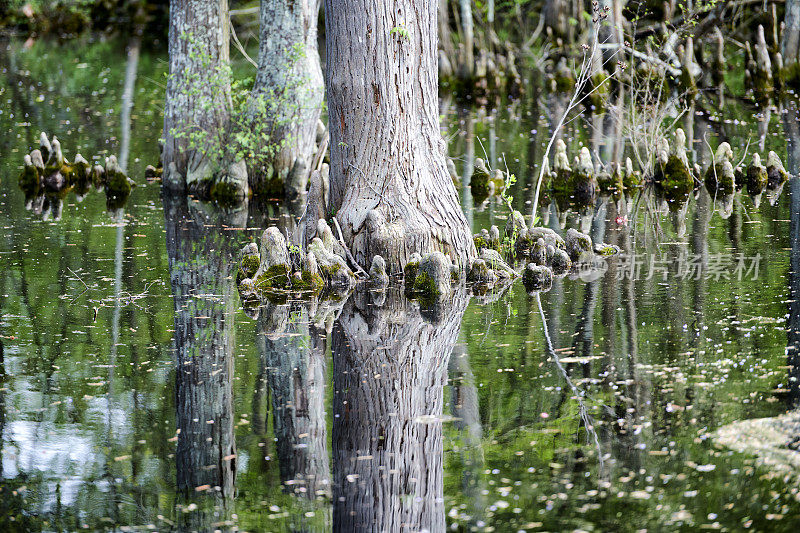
[135, 393]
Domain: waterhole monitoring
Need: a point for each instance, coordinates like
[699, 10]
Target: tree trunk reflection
[201, 256]
[293, 354]
[390, 368]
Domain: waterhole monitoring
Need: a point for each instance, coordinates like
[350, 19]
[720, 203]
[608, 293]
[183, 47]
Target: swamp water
[136, 393]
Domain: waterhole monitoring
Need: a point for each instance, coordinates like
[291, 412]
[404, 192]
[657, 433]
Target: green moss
[224, 193]
[275, 278]
[29, 181]
[717, 180]
[600, 89]
[424, 284]
[524, 244]
[410, 272]
[248, 267]
[756, 180]
[631, 181]
[271, 187]
[482, 242]
[606, 250]
[480, 190]
[688, 83]
[308, 282]
[762, 85]
[563, 82]
[676, 182]
[117, 185]
[574, 188]
[790, 75]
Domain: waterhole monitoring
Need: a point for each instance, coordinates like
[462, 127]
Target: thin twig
[352, 259]
[86, 287]
[240, 47]
[588, 421]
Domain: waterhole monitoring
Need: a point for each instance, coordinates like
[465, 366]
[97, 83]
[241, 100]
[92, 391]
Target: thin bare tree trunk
[390, 368]
[389, 185]
[288, 92]
[468, 66]
[445, 37]
[556, 14]
[792, 131]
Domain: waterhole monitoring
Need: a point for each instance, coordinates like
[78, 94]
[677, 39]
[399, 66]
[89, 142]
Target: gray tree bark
[790, 41]
[296, 362]
[201, 256]
[390, 368]
[195, 98]
[288, 90]
[389, 184]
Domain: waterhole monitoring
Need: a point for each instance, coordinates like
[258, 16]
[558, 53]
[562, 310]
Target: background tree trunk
[556, 17]
[468, 59]
[390, 368]
[289, 83]
[201, 256]
[294, 354]
[790, 45]
[198, 50]
[389, 184]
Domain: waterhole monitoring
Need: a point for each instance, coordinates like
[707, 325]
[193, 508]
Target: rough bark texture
[389, 184]
[198, 46]
[204, 293]
[296, 362]
[390, 368]
[289, 83]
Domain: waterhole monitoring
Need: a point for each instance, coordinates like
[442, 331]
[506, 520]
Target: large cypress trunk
[390, 368]
[204, 291]
[389, 185]
[198, 100]
[288, 92]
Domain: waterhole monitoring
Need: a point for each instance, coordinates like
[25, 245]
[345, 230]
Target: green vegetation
[658, 363]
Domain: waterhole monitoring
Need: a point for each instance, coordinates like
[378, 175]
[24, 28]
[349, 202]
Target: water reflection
[201, 255]
[292, 354]
[93, 389]
[390, 368]
[793, 323]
